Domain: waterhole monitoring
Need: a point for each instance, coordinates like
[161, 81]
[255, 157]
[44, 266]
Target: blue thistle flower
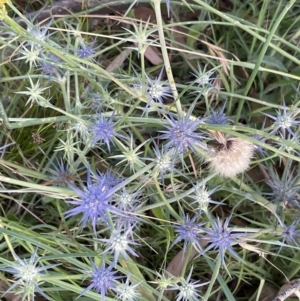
[221, 237]
[155, 90]
[182, 133]
[61, 174]
[50, 64]
[285, 189]
[188, 231]
[103, 279]
[218, 117]
[94, 203]
[127, 199]
[285, 120]
[85, 52]
[188, 290]
[120, 243]
[289, 234]
[103, 130]
[28, 275]
[109, 178]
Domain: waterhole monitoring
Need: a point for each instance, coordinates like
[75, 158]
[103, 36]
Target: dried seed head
[230, 155]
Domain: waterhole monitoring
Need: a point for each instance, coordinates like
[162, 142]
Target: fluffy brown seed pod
[229, 156]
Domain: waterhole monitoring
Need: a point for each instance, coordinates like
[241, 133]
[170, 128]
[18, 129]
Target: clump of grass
[150, 182]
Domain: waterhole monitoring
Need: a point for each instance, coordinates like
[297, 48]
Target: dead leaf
[119, 60]
[144, 13]
[152, 54]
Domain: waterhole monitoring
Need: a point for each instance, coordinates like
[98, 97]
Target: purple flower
[104, 131]
[189, 232]
[221, 237]
[110, 179]
[61, 174]
[218, 117]
[50, 64]
[182, 134]
[94, 203]
[284, 189]
[86, 51]
[188, 290]
[290, 234]
[103, 279]
[285, 120]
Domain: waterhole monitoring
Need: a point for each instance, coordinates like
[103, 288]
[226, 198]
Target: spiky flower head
[221, 237]
[131, 155]
[285, 120]
[289, 234]
[103, 131]
[38, 33]
[94, 204]
[28, 275]
[110, 179]
[230, 156]
[203, 79]
[188, 289]
[182, 133]
[127, 291]
[35, 93]
[188, 231]
[285, 190]
[61, 173]
[140, 36]
[103, 280]
[49, 64]
[120, 244]
[165, 161]
[218, 117]
[202, 198]
[154, 89]
[86, 51]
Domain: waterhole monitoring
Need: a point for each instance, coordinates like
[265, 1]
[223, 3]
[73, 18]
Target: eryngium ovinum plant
[137, 186]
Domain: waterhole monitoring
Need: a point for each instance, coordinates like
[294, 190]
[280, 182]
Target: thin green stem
[165, 55]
